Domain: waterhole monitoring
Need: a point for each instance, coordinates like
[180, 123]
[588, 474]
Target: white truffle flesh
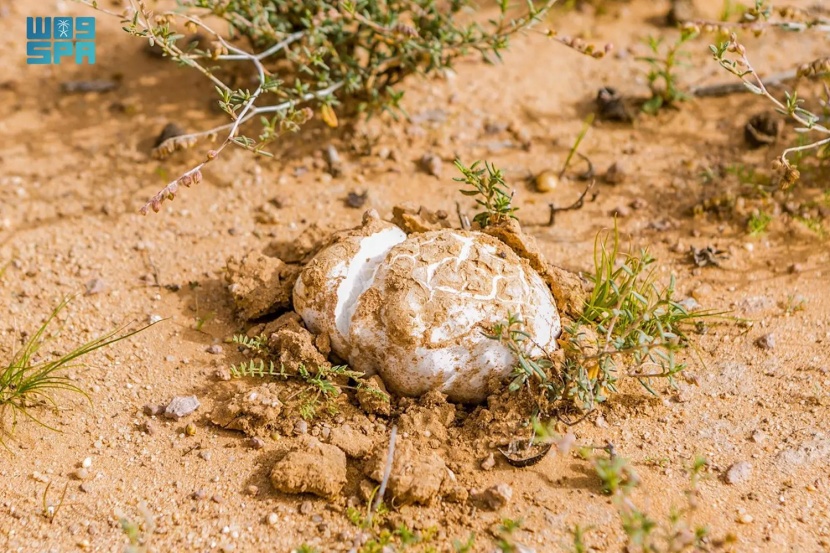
[326, 293]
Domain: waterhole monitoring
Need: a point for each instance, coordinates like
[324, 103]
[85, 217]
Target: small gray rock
[488, 463]
[738, 472]
[181, 406]
[306, 507]
[494, 497]
[431, 164]
[152, 410]
[300, 427]
[214, 349]
[767, 341]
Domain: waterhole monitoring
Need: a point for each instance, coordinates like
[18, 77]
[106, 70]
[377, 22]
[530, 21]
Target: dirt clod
[489, 462]
[296, 346]
[302, 248]
[494, 497]
[611, 106]
[355, 200]
[153, 409]
[416, 475]
[260, 284]
[317, 468]
[254, 411]
[616, 173]
[373, 397]
[353, 443]
[738, 472]
[412, 218]
[170, 130]
[680, 12]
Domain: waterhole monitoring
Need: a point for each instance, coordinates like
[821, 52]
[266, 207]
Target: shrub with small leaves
[313, 57]
[490, 192]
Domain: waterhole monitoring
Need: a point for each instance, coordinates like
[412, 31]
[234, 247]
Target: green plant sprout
[28, 378]
[662, 75]
[758, 223]
[586, 125]
[677, 534]
[490, 192]
[520, 343]
[139, 534]
[320, 388]
[629, 321]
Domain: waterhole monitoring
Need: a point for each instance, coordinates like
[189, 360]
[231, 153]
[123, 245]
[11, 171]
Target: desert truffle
[421, 324]
[415, 310]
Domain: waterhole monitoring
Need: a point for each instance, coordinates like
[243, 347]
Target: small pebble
[205, 454]
[615, 174]
[300, 427]
[621, 211]
[95, 286]
[80, 474]
[306, 507]
[190, 429]
[488, 463]
[767, 341]
[181, 406]
[253, 490]
[738, 472]
[495, 497]
[272, 518]
[432, 164]
[199, 494]
[87, 463]
[152, 410]
[355, 200]
[214, 349]
[745, 518]
[153, 319]
[256, 443]
[216, 498]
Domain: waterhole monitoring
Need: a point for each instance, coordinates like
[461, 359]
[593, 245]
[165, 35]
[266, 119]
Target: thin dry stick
[724, 89]
[387, 470]
[463, 220]
[576, 205]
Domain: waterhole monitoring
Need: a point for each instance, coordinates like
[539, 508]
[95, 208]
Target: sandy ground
[75, 168]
